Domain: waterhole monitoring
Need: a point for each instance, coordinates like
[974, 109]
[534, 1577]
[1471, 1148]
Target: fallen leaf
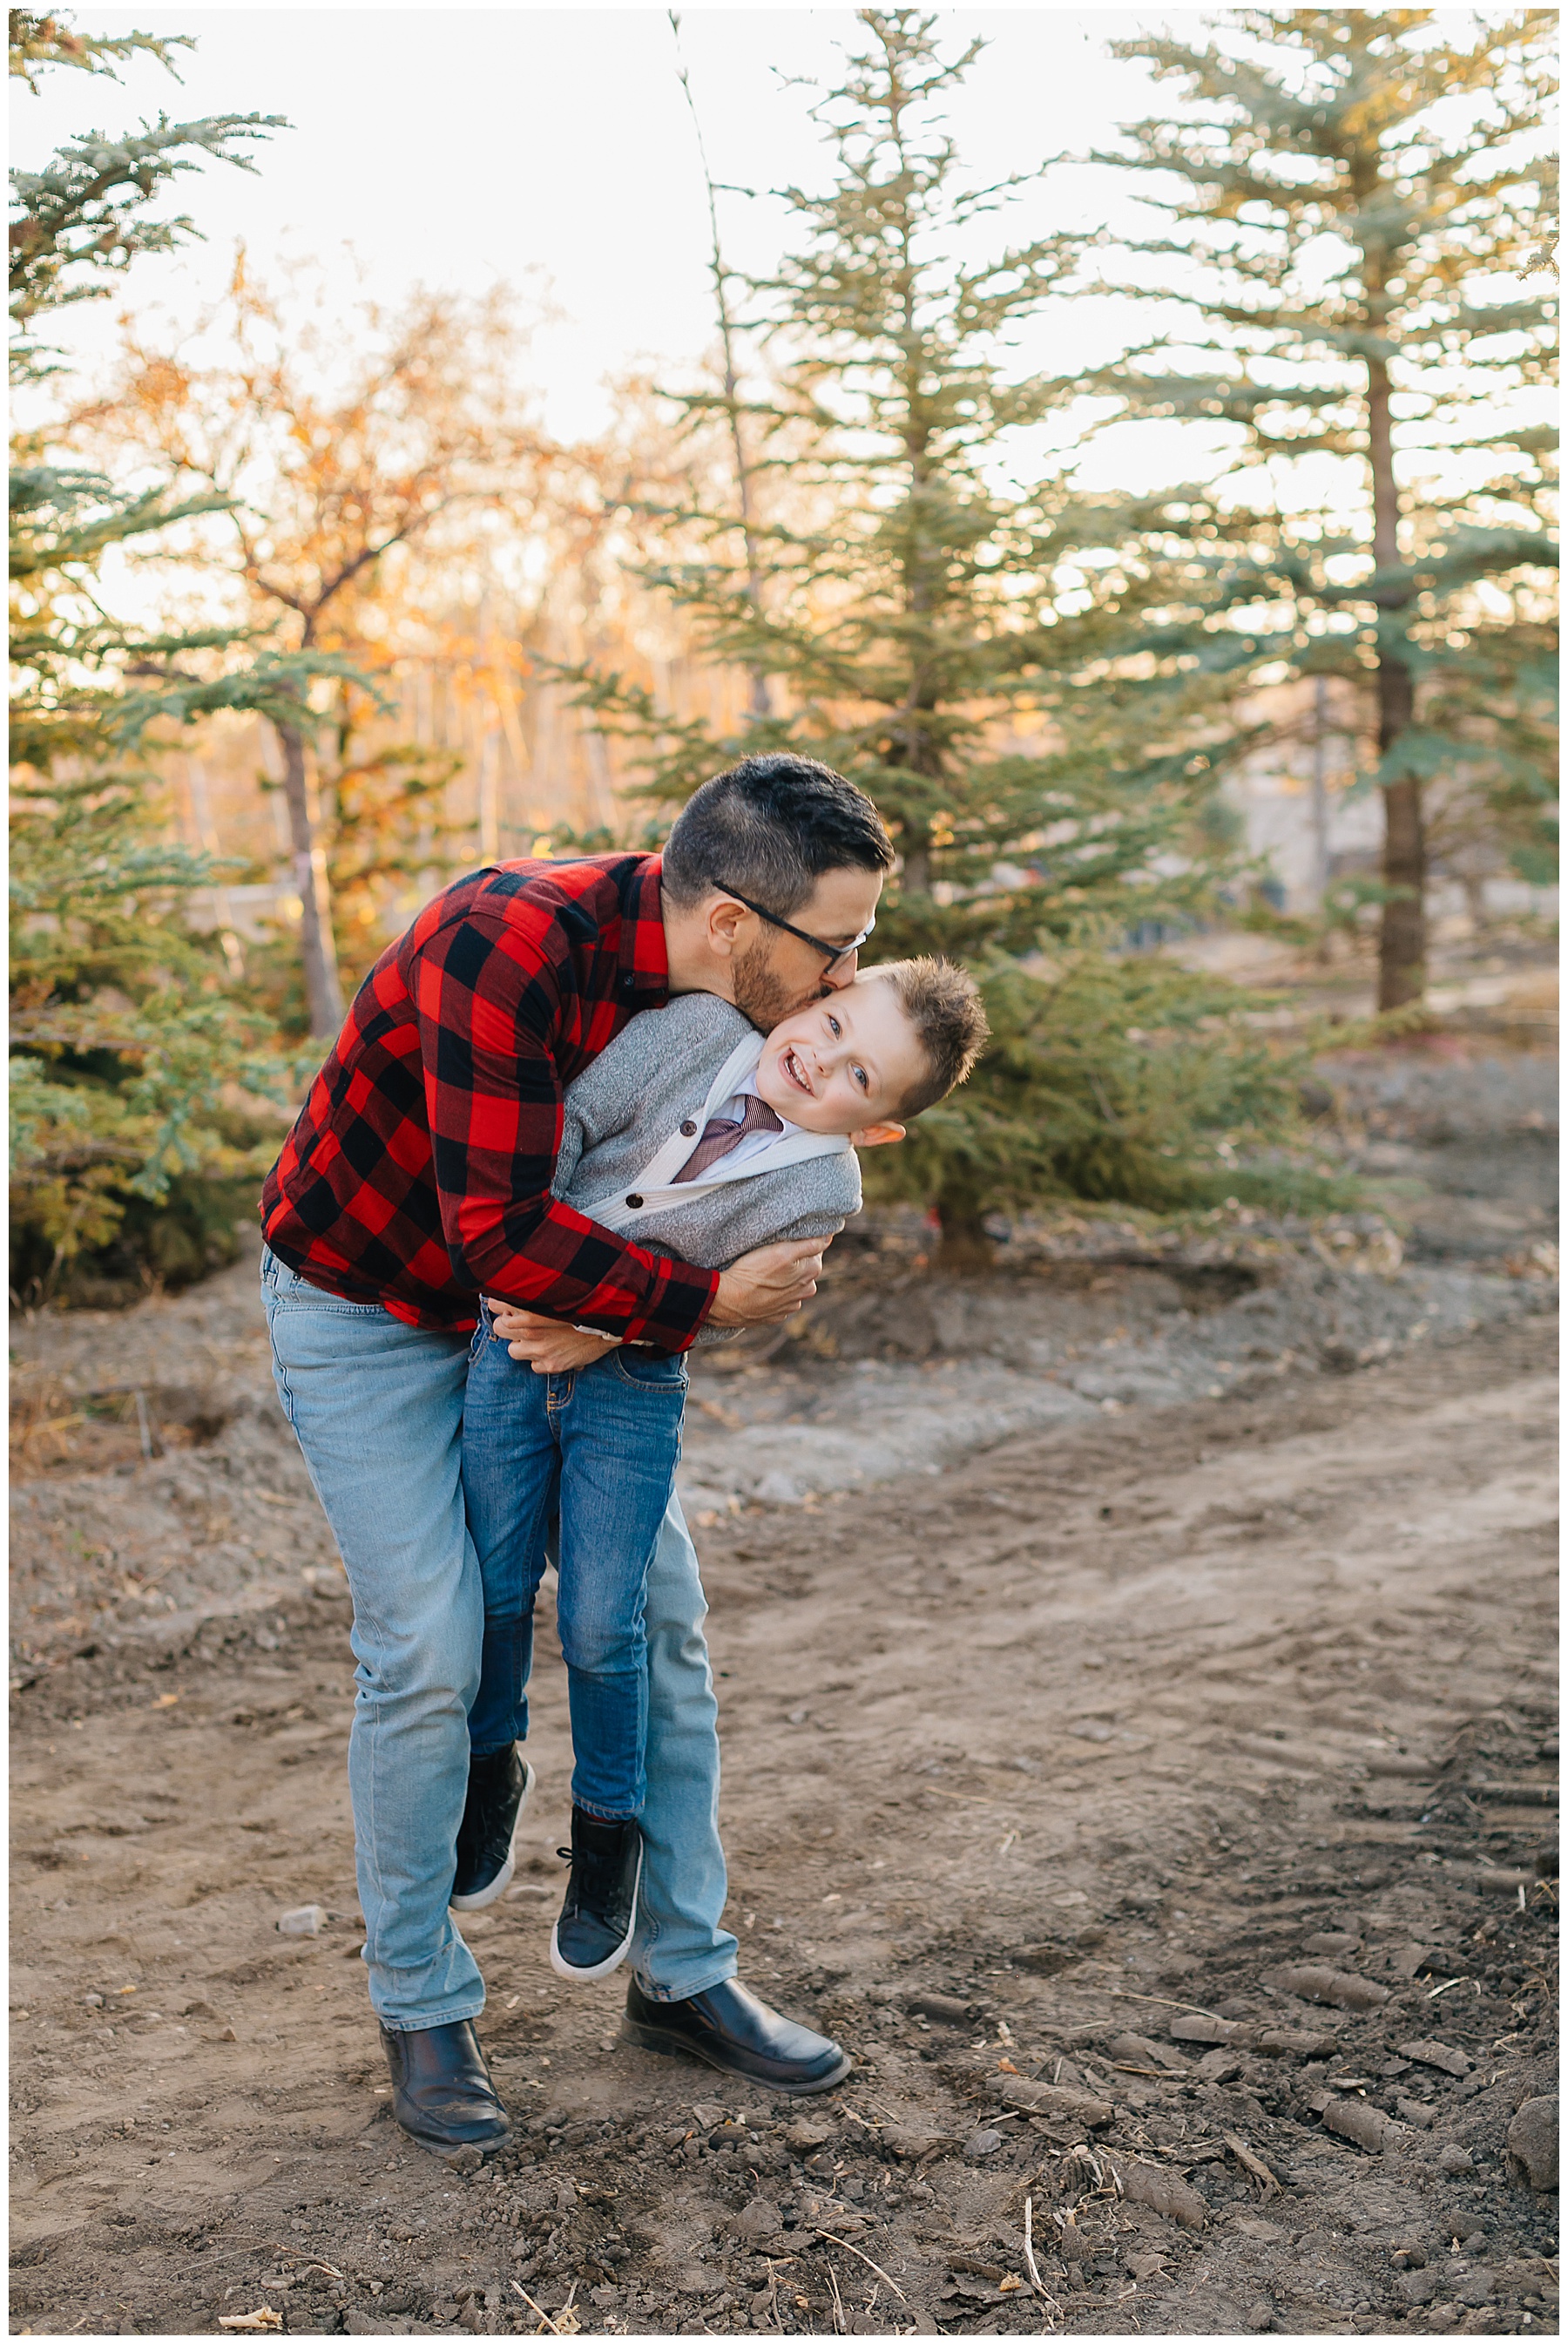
[1315, 1982]
[1253, 2164]
[1165, 2193]
[1446, 2055]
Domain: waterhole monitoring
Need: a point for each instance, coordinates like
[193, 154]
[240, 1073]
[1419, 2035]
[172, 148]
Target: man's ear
[877, 1134]
[722, 919]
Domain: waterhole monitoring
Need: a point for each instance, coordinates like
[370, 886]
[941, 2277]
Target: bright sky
[551, 148]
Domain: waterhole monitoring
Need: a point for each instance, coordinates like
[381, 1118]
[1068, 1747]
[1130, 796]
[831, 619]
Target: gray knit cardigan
[634, 1097]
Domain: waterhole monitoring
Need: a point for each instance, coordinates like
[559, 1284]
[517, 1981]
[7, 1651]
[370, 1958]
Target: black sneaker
[499, 1789]
[597, 1921]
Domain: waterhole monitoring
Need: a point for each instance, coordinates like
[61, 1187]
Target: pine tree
[963, 648]
[932, 633]
[1352, 203]
[132, 1062]
[1127, 1081]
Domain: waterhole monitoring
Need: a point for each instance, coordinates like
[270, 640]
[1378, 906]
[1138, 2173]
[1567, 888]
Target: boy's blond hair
[942, 1003]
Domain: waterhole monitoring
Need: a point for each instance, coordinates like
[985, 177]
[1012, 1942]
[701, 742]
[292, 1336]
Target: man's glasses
[831, 953]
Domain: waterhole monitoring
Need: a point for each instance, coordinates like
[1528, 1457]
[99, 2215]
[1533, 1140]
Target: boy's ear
[877, 1134]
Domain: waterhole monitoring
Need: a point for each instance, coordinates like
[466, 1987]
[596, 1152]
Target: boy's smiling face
[844, 1063]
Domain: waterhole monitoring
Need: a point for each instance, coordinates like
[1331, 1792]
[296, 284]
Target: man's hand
[768, 1284]
[545, 1344]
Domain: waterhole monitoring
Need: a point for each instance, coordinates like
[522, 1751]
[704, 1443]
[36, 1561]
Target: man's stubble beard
[762, 995]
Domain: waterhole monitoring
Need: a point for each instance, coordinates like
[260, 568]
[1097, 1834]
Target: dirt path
[1107, 1724]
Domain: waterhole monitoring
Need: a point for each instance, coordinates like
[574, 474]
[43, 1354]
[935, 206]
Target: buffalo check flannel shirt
[417, 1175]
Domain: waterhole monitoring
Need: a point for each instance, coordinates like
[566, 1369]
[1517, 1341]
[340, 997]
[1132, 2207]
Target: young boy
[704, 1138]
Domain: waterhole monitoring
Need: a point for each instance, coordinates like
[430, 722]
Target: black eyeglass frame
[831, 953]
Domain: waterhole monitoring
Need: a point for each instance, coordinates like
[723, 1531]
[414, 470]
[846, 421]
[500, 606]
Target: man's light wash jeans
[377, 1407]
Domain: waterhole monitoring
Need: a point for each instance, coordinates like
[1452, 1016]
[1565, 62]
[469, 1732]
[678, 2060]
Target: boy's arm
[824, 1226]
[807, 1225]
[813, 1199]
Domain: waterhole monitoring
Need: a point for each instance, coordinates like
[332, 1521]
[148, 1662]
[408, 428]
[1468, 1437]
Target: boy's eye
[834, 1027]
[859, 1073]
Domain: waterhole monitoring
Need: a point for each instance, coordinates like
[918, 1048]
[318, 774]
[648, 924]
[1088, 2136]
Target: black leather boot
[730, 2029]
[499, 1789]
[442, 2094]
[600, 1915]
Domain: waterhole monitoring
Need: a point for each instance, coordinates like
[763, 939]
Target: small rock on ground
[1533, 2142]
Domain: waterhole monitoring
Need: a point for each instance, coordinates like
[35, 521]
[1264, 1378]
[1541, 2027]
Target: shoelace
[593, 1878]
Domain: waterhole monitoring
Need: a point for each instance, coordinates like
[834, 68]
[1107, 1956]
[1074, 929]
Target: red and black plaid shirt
[419, 1174]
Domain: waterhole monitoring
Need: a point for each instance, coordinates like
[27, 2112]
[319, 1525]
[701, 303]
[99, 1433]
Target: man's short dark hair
[769, 828]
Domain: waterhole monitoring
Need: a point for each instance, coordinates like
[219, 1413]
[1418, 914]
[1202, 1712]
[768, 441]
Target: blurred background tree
[310, 612]
[1127, 1081]
[933, 628]
[332, 446]
[938, 614]
[137, 1076]
[1348, 202]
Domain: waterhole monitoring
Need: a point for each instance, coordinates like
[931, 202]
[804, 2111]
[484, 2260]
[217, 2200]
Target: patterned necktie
[719, 1138]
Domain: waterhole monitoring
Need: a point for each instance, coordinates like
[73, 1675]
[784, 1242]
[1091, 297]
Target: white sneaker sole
[563, 1968]
[502, 1881]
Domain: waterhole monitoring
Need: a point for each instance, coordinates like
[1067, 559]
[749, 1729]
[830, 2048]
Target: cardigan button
[688, 1130]
[635, 1204]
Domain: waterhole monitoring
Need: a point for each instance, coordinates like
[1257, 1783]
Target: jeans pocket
[293, 1292]
[650, 1370]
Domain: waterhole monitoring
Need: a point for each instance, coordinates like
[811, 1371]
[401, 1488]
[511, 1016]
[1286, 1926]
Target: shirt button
[635, 1204]
[687, 1130]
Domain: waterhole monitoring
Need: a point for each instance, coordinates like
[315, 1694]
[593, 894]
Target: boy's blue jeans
[600, 1447]
[378, 1407]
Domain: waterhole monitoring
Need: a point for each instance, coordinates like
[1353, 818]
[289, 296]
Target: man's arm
[488, 1010]
[760, 1290]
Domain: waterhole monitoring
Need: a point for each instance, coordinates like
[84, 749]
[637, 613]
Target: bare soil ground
[1093, 1759]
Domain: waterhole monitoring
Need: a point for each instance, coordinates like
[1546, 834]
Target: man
[417, 1176]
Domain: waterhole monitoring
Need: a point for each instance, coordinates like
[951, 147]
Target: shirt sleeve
[489, 1006]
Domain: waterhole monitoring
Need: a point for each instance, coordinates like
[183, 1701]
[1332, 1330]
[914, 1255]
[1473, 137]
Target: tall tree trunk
[965, 1248]
[1320, 870]
[317, 951]
[1401, 950]
[1401, 955]
[761, 705]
